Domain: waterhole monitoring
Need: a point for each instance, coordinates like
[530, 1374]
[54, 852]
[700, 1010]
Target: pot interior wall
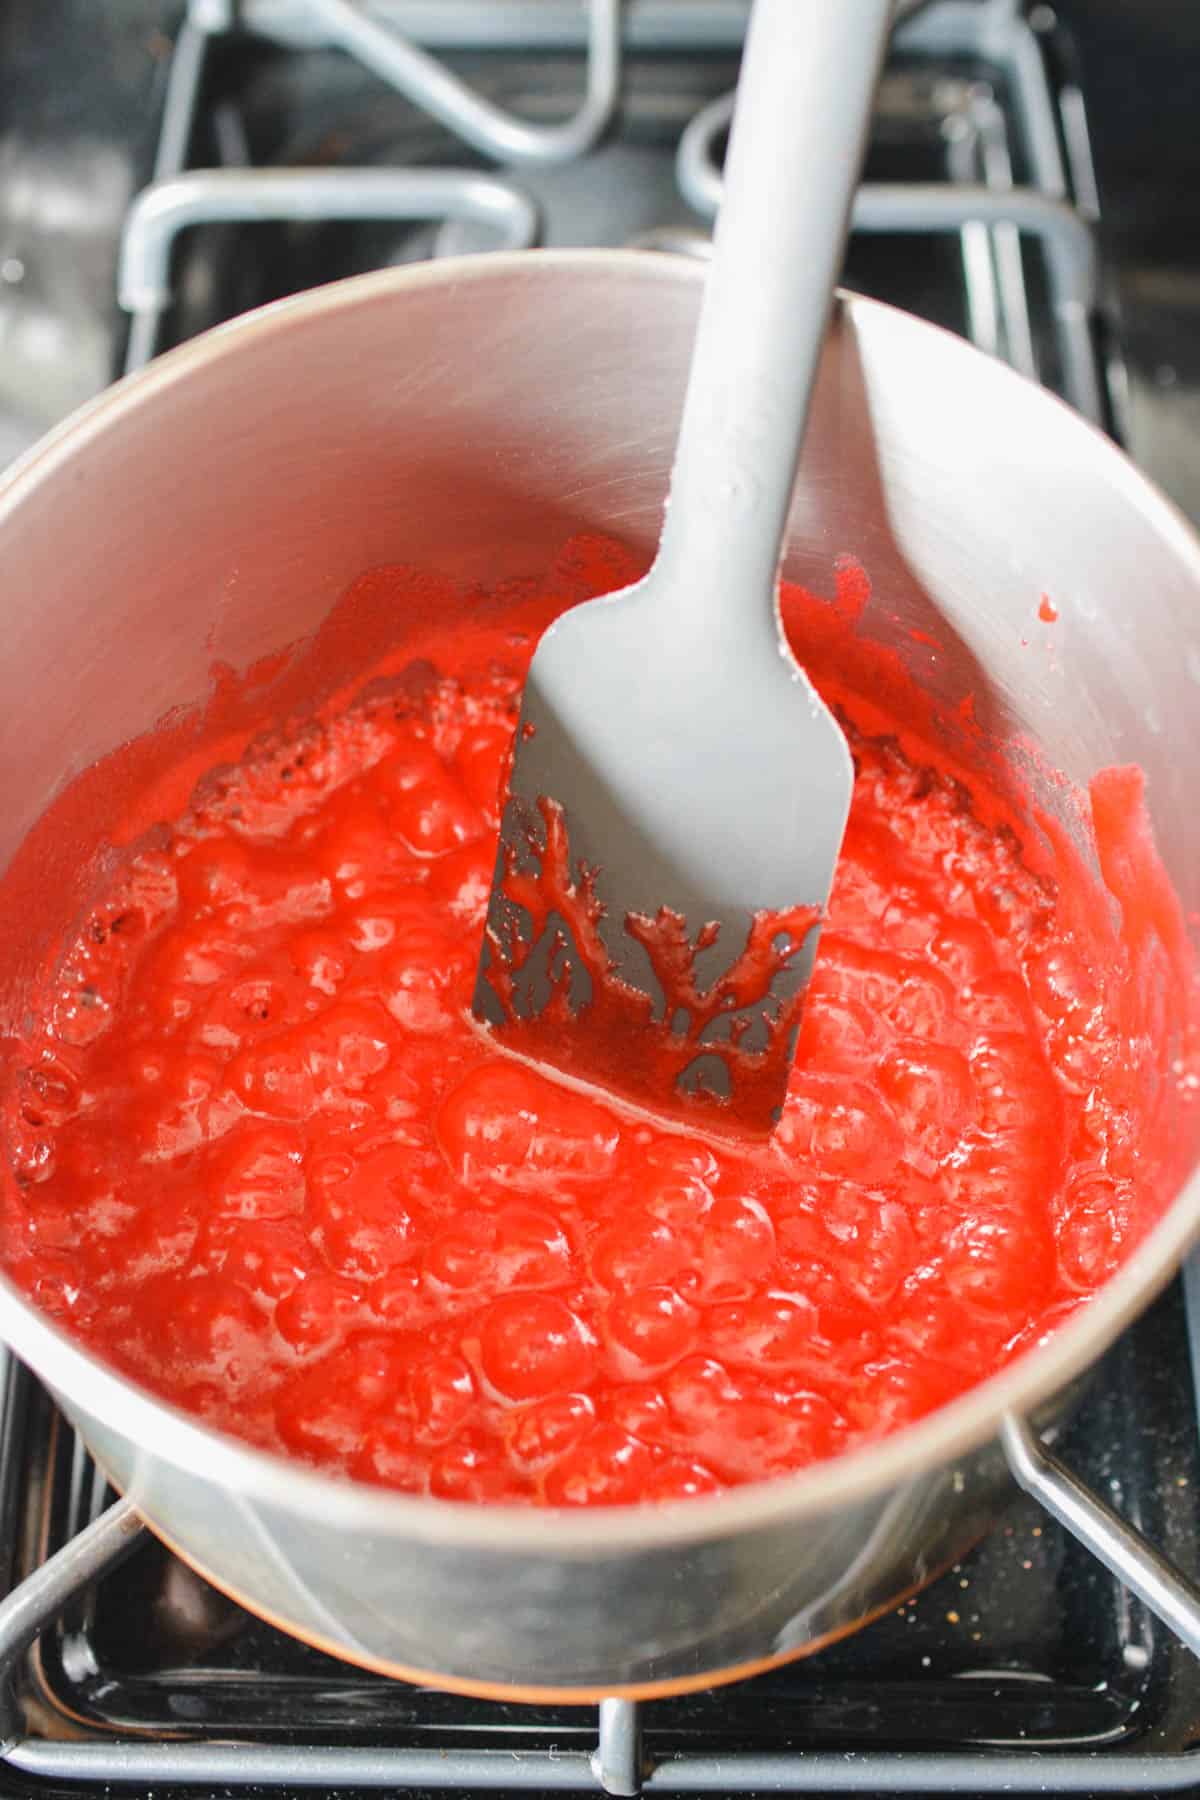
[471, 422]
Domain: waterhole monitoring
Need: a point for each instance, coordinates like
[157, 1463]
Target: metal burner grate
[1007, 172]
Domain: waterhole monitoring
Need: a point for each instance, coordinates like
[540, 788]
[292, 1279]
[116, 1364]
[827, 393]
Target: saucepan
[471, 416]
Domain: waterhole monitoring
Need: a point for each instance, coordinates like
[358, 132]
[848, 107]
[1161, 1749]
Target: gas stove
[297, 141]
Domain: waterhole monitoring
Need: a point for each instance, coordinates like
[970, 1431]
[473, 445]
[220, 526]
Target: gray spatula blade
[677, 785]
[720, 812]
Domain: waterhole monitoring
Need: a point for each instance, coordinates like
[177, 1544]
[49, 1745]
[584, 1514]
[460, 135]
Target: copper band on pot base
[541, 1696]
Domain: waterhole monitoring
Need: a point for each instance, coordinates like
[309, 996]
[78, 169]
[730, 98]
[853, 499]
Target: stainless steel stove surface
[284, 154]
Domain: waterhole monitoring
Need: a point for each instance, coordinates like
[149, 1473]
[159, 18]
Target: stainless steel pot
[470, 417]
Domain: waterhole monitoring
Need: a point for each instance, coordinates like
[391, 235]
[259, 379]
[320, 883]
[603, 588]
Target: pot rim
[341, 1503]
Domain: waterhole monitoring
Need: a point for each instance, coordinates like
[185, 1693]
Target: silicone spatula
[678, 791]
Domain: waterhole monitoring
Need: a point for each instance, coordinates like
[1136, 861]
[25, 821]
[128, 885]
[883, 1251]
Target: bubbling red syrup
[261, 1159]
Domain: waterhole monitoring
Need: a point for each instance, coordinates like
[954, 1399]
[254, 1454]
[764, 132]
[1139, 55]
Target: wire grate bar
[555, 25]
[427, 83]
[230, 196]
[918, 207]
[617, 1762]
[1169, 1594]
[245, 1766]
[30, 1607]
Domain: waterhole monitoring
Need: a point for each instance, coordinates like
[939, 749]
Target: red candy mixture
[263, 1161]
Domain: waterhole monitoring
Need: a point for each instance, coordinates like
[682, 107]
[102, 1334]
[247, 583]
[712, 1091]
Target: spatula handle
[804, 98]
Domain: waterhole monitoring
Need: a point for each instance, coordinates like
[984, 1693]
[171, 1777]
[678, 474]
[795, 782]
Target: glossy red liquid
[261, 1159]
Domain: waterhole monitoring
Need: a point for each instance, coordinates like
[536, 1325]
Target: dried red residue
[635, 1045]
